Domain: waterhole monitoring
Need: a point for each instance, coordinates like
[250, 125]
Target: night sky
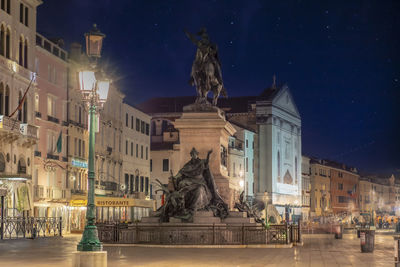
[341, 61]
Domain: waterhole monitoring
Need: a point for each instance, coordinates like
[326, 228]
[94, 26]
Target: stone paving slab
[318, 250]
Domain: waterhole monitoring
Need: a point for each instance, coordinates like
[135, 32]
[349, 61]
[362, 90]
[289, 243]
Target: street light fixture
[95, 93]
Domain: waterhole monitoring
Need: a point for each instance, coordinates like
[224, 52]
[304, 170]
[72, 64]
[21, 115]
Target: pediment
[285, 101]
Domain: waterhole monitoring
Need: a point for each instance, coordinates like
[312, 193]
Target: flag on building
[59, 143]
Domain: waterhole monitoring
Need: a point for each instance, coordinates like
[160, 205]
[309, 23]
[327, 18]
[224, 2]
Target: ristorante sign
[114, 202]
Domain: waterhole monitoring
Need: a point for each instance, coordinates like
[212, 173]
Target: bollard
[367, 240]
[339, 231]
[396, 250]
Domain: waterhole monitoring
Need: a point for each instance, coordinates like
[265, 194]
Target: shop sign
[78, 203]
[79, 163]
[113, 202]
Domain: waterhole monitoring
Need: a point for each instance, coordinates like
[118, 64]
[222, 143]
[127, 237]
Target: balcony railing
[51, 156]
[38, 114]
[38, 153]
[113, 186]
[78, 191]
[53, 119]
[77, 124]
[48, 192]
[9, 124]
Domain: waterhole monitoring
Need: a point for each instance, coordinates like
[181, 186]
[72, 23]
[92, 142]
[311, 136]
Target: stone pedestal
[89, 259]
[206, 128]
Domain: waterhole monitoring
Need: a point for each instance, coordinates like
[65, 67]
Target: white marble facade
[279, 128]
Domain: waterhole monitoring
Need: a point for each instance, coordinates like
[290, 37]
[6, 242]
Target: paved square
[318, 250]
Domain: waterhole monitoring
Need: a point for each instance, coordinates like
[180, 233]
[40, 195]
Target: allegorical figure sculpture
[252, 210]
[206, 69]
[194, 189]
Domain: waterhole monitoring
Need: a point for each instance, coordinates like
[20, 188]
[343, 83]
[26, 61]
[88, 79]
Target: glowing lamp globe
[94, 42]
[102, 90]
[87, 81]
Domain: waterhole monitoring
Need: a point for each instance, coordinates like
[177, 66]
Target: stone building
[306, 188]
[365, 201]
[334, 188]
[279, 134]
[321, 203]
[17, 133]
[77, 141]
[108, 148]
[344, 188]
[51, 195]
[136, 161]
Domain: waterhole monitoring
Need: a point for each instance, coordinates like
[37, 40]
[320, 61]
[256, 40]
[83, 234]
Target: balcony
[64, 123]
[51, 193]
[9, 126]
[38, 153]
[38, 114]
[65, 159]
[53, 119]
[13, 67]
[78, 192]
[112, 186]
[51, 156]
[77, 124]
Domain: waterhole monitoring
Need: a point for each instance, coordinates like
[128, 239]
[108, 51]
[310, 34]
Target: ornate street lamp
[94, 90]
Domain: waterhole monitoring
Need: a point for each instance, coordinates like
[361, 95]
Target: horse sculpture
[206, 69]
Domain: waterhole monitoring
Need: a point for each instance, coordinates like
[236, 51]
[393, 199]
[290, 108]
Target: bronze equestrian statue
[206, 69]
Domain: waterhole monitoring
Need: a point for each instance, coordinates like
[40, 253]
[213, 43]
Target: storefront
[17, 200]
[112, 209]
[77, 209]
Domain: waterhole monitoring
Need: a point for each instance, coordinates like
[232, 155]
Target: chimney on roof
[75, 51]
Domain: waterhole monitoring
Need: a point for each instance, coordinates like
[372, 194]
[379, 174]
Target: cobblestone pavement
[318, 250]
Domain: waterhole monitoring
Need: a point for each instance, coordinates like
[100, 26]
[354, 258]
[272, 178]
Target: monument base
[89, 259]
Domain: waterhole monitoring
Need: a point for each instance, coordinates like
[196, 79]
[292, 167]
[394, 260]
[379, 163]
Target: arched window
[8, 43]
[279, 165]
[1, 99]
[21, 166]
[2, 39]
[26, 54]
[19, 101]
[25, 111]
[21, 51]
[2, 163]
[7, 101]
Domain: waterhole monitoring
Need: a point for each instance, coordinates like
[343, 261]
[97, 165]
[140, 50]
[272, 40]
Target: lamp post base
[90, 240]
[89, 259]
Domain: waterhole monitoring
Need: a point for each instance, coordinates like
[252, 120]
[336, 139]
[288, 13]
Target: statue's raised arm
[192, 38]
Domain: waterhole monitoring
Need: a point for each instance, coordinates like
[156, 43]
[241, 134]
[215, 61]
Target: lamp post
[94, 90]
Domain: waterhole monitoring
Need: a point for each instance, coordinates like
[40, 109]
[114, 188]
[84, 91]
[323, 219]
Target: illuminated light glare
[87, 80]
[241, 183]
[102, 89]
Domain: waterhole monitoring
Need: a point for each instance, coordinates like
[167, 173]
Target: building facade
[279, 134]
[17, 90]
[344, 189]
[77, 142]
[136, 161]
[51, 195]
[321, 203]
[306, 188]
